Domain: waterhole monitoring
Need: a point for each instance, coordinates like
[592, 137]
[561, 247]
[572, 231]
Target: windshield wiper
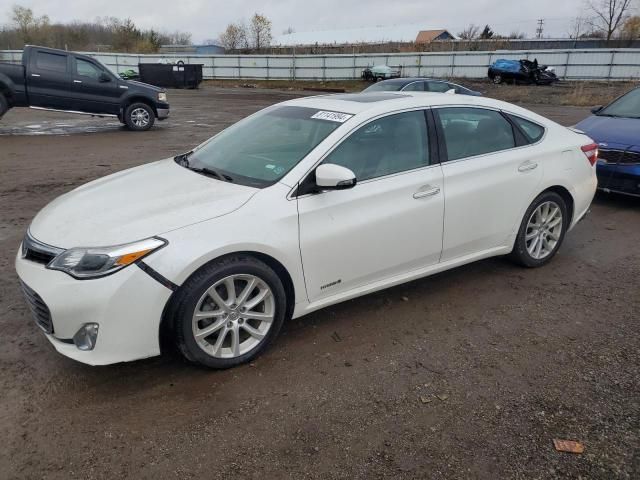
[183, 160]
[210, 172]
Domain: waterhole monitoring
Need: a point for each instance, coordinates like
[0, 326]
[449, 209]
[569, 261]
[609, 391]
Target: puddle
[57, 128]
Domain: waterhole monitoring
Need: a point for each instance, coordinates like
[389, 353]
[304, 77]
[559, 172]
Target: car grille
[618, 156]
[39, 309]
[38, 252]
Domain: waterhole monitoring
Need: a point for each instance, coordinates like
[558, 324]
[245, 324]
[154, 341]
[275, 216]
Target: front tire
[542, 230]
[497, 79]
[139, 117]
[229, 312]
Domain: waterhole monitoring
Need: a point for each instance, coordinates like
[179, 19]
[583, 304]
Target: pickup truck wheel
[4, 106]
[139, 117]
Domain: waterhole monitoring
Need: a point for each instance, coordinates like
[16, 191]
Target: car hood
[612, 130]
[135, 204]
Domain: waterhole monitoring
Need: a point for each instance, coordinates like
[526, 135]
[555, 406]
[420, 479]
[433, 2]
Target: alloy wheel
[233, 316]
[543, 230]
[140, 117]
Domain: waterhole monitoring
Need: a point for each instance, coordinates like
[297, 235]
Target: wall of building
[594, 64]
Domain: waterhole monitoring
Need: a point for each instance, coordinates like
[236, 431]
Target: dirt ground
[469, 374]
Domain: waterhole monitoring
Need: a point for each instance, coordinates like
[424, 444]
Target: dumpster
[179, 75]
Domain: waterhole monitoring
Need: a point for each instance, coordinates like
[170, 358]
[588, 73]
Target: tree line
[103, 34]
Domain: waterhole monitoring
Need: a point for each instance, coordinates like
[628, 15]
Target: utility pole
[539, 29]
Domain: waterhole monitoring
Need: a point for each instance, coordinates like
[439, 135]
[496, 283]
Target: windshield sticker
[332, 116]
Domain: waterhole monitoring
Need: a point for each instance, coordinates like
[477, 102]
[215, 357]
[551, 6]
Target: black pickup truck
[67, 81]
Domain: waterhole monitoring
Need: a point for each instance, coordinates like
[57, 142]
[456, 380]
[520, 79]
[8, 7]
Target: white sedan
[302, 205]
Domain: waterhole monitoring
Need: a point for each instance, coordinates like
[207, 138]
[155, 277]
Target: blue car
[616, 130]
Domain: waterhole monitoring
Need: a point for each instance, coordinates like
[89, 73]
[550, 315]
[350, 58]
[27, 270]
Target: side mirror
[596, 109]
[334, 177]
[104, 78]
[451, 91]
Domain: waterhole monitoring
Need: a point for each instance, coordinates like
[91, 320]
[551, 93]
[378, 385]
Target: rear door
[491, 171]
[95, 89]
[49, 80]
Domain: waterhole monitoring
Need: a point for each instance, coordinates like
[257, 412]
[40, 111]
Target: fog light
[85, 338]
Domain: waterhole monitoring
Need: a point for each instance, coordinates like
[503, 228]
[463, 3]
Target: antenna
[539, 29]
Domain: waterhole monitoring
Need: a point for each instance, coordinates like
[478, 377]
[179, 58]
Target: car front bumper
[162, 113]
[619, 178]
[127, 305]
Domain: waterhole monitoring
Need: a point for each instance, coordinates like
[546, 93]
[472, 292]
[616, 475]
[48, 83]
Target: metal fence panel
[570, 64]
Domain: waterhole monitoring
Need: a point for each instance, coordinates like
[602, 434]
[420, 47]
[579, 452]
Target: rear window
[532, 131]
[51, 61]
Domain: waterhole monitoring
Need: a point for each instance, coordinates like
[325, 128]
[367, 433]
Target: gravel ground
[467, 374]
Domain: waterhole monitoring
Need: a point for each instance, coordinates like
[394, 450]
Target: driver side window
[84, 68]
[391, 144]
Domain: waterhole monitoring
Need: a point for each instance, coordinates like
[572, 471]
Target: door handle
[77, 81]
[526, 166]
[35, 75]
[429, 192]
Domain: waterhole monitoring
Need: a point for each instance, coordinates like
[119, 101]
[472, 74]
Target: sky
[207, 19]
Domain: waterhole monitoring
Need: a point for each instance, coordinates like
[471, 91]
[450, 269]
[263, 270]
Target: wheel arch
[138, 99]
[566, 196]
[168, 315]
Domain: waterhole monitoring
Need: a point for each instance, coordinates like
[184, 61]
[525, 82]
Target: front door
[390, 223]
[96, 90]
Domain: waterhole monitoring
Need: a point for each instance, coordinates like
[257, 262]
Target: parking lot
[467, 374]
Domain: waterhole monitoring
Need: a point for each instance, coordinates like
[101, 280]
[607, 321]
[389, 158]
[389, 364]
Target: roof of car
[375, 103]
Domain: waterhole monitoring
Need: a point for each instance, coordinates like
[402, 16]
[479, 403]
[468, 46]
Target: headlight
[162, 97]
[98, 262]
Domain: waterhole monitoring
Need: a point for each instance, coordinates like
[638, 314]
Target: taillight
[591, 151]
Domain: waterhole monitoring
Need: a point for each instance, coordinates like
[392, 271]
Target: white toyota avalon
[302, 205]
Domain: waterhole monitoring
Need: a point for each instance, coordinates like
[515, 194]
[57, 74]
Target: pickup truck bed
[76, 83]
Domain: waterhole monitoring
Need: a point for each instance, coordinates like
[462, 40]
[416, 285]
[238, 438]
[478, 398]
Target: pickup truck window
[85, 68]
[51, 61]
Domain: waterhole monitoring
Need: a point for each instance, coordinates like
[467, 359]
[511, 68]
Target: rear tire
[4, 105]
[541, 231]
[139, 117]
[497, 79]
[221, 330]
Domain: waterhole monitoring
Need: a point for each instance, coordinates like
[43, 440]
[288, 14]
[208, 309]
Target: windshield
[384, 87]
[626, 106]
[261, 149]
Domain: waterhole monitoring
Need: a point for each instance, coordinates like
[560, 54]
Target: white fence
[589, 64]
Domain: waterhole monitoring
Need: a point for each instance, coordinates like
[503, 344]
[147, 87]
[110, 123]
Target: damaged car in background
[521, 71]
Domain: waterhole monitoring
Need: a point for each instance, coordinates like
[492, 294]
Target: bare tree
[469, 33]
[234, 37]
[578, 27]
[631, 28]
[27, 23]
[288, 31]
[609, 15]
[260, 31]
